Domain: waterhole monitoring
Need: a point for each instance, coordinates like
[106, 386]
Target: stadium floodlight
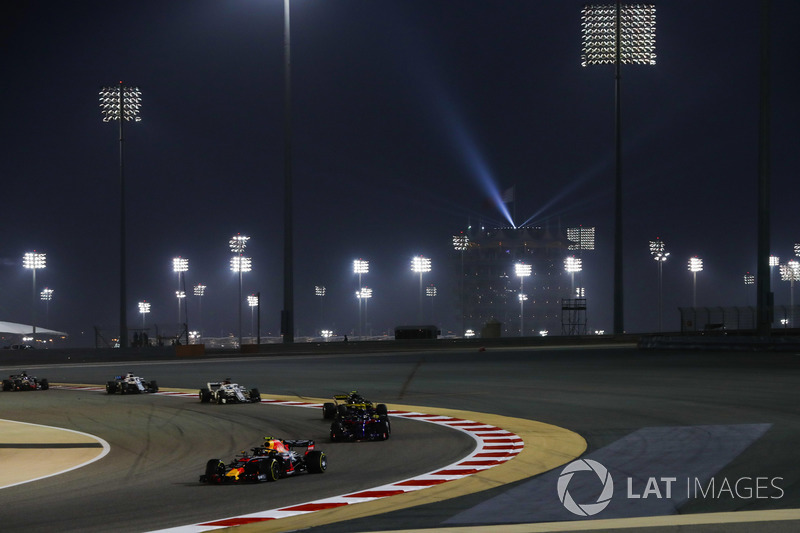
[695, 266]
[144, 308]
[461, 245]
[122, 104]
[797, 249]
[790, 272]
[239, 264]
[179, 266]
[618, 34]
[660, 254]
[420, 265]
[34, 261]
[582, 238]
[522, 299]
[360, 267]
[320, 290]
[46, 295]
[749, 281]
[572, 265]
[365, 293]
[774, 261]
[522, 271]
[199, 291]
[252, 302]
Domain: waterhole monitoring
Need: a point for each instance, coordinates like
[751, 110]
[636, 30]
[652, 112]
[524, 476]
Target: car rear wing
[299, 443]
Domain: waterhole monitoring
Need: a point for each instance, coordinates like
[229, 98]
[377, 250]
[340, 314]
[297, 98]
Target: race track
[159, 444]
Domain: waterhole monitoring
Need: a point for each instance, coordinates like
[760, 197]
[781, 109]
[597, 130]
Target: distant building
[489, 286]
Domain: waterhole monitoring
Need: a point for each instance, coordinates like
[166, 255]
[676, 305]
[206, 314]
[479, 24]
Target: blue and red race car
[275, 459]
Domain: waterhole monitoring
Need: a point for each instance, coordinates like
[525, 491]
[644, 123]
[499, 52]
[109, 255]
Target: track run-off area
[478, 439]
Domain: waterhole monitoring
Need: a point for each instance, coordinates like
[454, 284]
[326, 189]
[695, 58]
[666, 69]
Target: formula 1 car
[24, 382]
[271, 461]
[130, 384]
[358, 419]
[227, 392]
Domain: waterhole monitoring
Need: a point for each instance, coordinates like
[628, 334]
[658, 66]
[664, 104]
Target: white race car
[227, 392]
[130, 384]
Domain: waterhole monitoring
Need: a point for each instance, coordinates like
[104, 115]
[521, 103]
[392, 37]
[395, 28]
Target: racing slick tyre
[153, 386]
[271, 468]
[384, 430]
[7, 386]
[381, 409]
[341, 410]
[255, 396]
[205, 395]
[316, 462]
[328, 410]
[214, 467]
[336, 432]
[44, 384]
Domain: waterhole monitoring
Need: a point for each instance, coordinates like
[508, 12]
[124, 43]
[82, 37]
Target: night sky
[406, 115]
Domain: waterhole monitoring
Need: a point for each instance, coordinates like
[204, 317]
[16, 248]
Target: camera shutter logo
[586, 509]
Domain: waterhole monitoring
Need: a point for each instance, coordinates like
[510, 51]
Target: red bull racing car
[275, 459]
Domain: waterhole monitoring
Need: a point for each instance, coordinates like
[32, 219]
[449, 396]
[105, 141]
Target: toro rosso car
[24, 382]
[358, 419]
[130, 384]
[275, 459]
[227, 392]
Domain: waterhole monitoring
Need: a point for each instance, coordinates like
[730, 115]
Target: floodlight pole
[287, 316]
[121, 110]
[764, 297]
[619, 327]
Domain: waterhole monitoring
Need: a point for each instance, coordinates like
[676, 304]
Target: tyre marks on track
[494, 446]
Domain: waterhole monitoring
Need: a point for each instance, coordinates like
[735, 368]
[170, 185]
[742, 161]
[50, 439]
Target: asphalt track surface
[610, 396]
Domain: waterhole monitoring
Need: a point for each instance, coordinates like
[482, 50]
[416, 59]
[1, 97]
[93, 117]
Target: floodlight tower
[34, 261]
[461, 244]
[572, 265]
[522, 271]
[749, 280]
[420, 265]
[239, 264]
[695, 266]
[430, 292]
[144, 308]
[46, 295]
[617, 34]
[319, 291]
[252, 301]
[199, 291]
[364, 294]
[774, 261]
[360, 267]
[659, 253]
[791, 272]
[121, 104]
[180, 265]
